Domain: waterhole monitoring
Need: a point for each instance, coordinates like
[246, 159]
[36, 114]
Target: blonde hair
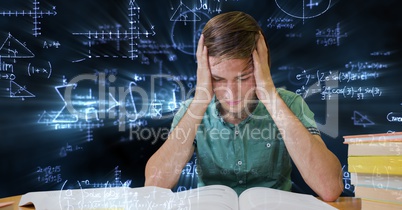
[231, 35]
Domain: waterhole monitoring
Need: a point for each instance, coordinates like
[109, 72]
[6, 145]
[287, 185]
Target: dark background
[343, 57]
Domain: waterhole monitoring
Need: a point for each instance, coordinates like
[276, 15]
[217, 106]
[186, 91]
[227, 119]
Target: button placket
[239, 164]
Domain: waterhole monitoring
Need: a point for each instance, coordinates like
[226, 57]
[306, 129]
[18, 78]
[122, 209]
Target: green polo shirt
[249, 154]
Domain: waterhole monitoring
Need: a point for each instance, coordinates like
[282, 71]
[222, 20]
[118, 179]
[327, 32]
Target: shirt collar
[216, 113]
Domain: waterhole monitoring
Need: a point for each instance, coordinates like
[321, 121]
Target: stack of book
[375, 164]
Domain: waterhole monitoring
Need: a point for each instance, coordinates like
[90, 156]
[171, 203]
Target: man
[246, 131]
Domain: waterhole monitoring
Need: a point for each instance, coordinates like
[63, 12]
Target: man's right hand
[203, 92]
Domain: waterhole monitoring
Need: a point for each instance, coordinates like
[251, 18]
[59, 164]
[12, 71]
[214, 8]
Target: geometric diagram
[17, 91]
[302, 10]
[179, 14]
[328, 37]
[186, 20]
[360, 119]
[14, 49]
[35, 13]
[131, 34]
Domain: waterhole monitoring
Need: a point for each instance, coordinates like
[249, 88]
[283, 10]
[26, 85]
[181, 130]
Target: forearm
[164, 167]
[319, 167]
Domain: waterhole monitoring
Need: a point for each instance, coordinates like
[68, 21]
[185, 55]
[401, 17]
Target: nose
[232, 90]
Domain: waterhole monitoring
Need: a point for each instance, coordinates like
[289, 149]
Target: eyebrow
[244, 72]
[241, 75]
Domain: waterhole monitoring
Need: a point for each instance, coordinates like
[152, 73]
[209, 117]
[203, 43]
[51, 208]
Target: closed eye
[217, 79]
[245, 76]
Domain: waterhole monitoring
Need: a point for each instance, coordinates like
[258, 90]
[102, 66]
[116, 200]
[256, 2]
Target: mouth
[233, 103]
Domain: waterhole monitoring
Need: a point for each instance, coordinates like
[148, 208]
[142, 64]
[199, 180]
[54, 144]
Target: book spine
[376, 136]
[376, 180]
[378, 194]
[368, 140]
[391, 165]
[376, 148]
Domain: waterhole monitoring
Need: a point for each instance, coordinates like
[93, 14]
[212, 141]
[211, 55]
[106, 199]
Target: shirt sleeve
[302, 111]
[305, 115]
[179, 114]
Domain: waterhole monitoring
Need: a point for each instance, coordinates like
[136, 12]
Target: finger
[200, 46]
[262, 50]
[202, 54]
[204, 62]
[256, 60]
[261, 45]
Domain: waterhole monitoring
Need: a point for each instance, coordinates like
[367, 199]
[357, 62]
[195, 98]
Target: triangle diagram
[45, 117]
[359, 119]
[17, 91]
[12, 48]
[182, 14]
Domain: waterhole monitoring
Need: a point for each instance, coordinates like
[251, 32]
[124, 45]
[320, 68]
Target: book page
[258, 198]
[212, 197]
[102, 198]
[119, 198]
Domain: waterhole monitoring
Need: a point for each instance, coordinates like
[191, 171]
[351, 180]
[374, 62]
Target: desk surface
[347, 203]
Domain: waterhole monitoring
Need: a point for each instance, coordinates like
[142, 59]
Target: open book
[211, 197]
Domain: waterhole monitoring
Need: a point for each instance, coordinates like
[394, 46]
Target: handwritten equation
[320, 77]
[329, 37]
[347, 180]
[49, 174]
[327, 92]
[332, 82]
[280, 23]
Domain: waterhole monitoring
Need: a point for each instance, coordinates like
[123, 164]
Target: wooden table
[15, 200]
[347, 203]
[343, 203]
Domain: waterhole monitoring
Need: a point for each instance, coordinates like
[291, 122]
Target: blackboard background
[45, 44]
